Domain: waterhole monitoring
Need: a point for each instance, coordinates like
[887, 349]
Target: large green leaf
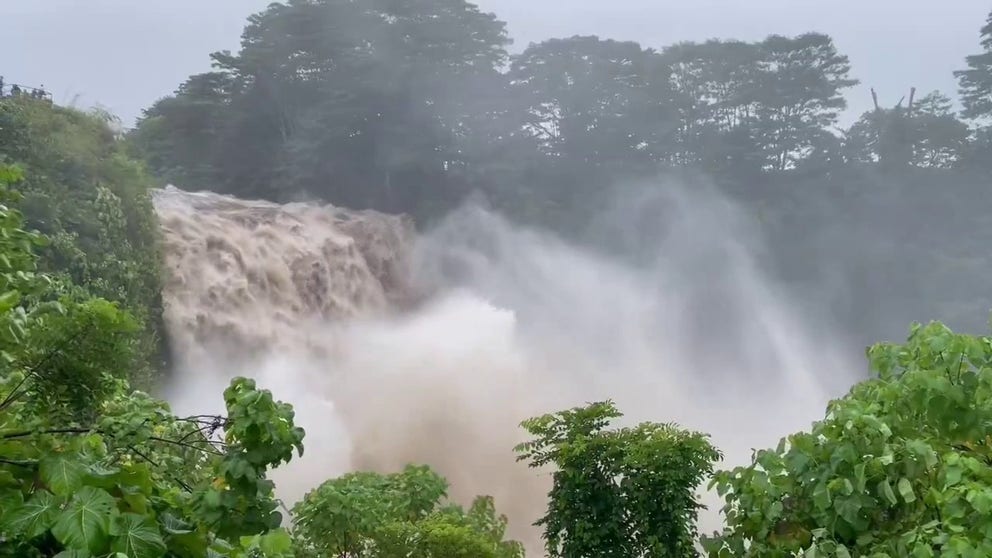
[35, 517]
[277, 543]
[85, 522]
[137, 536]
[62, 473]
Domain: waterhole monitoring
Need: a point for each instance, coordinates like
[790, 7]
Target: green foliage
[976, 81]
[902, 466]
[259, 435]
[386, 98]
[92, 202]
[374, 93]
[90, 468]
[395, 516]
[134, 481]
[623, 492]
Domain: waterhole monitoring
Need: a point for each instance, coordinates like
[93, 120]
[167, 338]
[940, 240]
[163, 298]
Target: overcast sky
[125, 54]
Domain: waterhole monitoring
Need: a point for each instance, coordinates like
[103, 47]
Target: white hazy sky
[125, 54]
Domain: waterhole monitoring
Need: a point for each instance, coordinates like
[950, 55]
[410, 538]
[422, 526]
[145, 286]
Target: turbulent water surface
[396, 347]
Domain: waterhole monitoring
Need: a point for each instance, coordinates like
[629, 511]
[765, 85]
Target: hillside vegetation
[92, 202]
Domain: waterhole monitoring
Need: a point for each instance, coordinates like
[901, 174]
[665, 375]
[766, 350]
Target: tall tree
[583, 98]
[713, 92]
[976, 81]
[799, 95]
[178, 136]
[359, 103]
[588, 110]
[939, 137]
[766, 105]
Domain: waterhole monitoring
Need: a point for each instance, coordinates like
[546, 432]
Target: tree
[713, 90]
[624, 492]
[767, 103]
[939, 138]
[582, 98]
[976, 81]
[399, 515]
[586, 111]
[363, 104]
[926, 133]
[799, 95]
[179, 137]
[898, 467]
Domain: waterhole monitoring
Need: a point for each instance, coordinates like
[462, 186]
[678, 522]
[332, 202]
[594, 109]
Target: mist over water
[508, 322]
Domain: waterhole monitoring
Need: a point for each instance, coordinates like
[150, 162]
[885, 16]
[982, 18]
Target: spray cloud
[509, 323]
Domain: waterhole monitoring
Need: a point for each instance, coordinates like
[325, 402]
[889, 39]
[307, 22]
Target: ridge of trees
[408, 108]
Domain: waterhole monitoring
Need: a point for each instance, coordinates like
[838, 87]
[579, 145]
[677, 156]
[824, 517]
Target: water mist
[508, 323]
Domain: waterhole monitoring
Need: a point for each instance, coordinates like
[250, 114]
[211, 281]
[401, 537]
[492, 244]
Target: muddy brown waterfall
[396, 346]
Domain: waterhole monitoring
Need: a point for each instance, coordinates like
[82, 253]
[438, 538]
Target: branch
[178, 480]
[26, 433]
[185, 445]
[26, 464]
[207, 431]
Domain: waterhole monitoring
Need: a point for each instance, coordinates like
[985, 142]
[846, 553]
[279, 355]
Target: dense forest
[414, 107]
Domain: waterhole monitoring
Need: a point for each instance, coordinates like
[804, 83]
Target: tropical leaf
[85, 522]
[136, 536]
[35, 517]
[62, 473]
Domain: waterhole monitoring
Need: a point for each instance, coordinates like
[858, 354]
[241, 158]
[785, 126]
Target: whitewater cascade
[396, 347]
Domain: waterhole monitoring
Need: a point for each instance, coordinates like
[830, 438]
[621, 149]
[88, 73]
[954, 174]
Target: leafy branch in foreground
[90, 468]
[901, 466]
